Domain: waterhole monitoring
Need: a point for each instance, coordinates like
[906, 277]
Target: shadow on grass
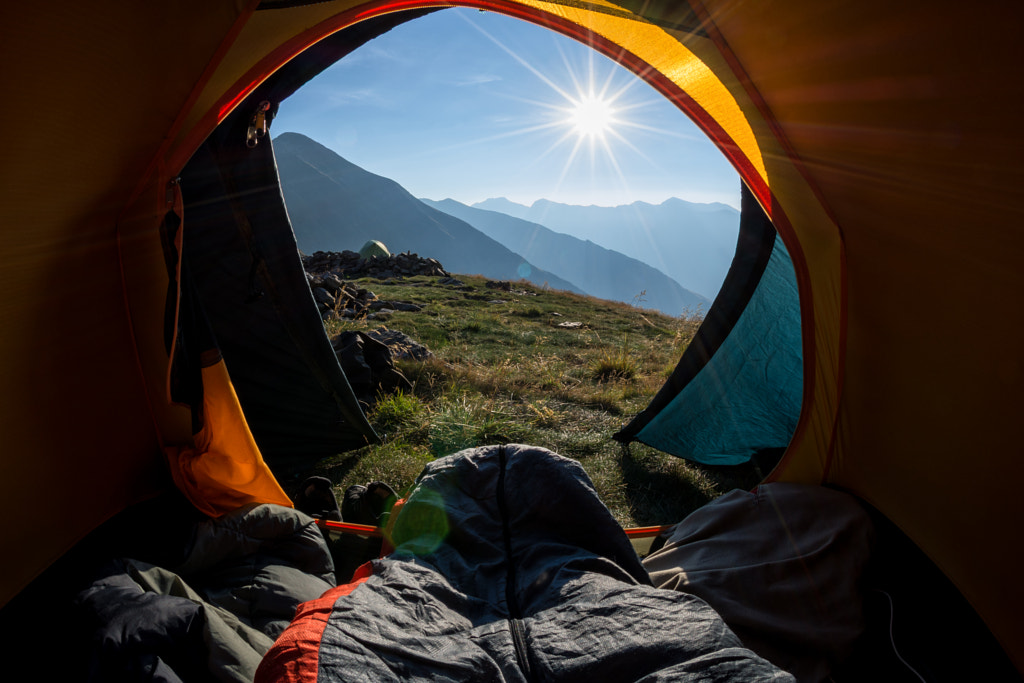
[335, 470]
[660, 495]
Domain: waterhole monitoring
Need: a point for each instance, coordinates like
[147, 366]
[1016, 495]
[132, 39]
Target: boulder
[369, 366]
[401, 345]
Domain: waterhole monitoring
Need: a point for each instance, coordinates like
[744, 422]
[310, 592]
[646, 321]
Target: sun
[591, 116]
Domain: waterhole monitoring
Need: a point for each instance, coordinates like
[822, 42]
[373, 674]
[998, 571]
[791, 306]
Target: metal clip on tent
[172, 190]
[258, 125]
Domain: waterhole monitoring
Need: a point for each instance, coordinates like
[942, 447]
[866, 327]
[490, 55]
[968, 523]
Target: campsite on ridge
[334, 205]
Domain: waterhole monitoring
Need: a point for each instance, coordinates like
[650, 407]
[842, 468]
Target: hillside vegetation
[504, 371]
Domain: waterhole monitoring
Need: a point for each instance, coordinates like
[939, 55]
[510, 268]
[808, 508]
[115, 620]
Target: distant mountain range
[691, 243]
[600, 272]
[335, 205]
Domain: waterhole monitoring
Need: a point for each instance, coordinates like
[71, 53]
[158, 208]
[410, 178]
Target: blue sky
[469, 105]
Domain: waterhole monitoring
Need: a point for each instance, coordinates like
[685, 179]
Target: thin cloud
[478, 79]
[504, 119]
[373, 54]
[355, 94]
[364, 96]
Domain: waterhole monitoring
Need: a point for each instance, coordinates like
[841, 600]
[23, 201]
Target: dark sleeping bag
[209, 617]
[508, 568]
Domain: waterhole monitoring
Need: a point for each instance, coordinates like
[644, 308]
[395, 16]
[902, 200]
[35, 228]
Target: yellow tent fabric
[883, 139]
[224, 469]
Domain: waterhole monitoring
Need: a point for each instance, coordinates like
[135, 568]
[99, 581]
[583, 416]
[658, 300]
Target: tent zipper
[515, 623]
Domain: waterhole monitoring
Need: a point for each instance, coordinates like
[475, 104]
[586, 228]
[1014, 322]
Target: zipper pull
[257, 125]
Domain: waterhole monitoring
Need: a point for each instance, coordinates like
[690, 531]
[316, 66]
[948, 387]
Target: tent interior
[882, 143]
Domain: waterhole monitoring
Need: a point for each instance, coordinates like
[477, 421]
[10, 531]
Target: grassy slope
[504, 372]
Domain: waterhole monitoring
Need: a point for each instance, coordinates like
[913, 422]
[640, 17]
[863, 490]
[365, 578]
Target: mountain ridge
[581, 261]
[495, 204]
[335, 205]
[701, 238]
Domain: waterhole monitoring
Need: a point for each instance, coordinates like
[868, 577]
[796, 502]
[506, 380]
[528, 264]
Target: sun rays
[589, 107]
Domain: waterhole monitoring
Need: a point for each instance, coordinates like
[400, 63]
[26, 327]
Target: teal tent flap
[747, 398]
[738, 388]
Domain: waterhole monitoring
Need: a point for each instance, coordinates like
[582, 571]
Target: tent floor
[920, 627]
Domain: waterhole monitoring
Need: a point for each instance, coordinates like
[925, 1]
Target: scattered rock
[349, 264]
[401, 345]
[368, 357]
[567, 325]
[369, 366]
[332, 283]
[383, 306]
[451, 281]
[339, 299]
[507, 287]
[322, 296]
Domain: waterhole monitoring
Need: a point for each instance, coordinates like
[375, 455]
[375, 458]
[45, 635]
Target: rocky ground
[327, 273]
[368, 357]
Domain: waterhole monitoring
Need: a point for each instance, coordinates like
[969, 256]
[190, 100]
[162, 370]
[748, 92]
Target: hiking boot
[369, 505]
[316, 498]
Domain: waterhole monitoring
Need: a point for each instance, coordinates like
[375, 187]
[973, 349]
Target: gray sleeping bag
[508, 568]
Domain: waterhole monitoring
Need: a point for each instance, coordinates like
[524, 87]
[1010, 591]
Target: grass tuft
[394, 411]
[612, 366]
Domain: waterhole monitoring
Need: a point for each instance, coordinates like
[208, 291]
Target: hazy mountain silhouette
[335, 205]
[600, 272]
[691, 243]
